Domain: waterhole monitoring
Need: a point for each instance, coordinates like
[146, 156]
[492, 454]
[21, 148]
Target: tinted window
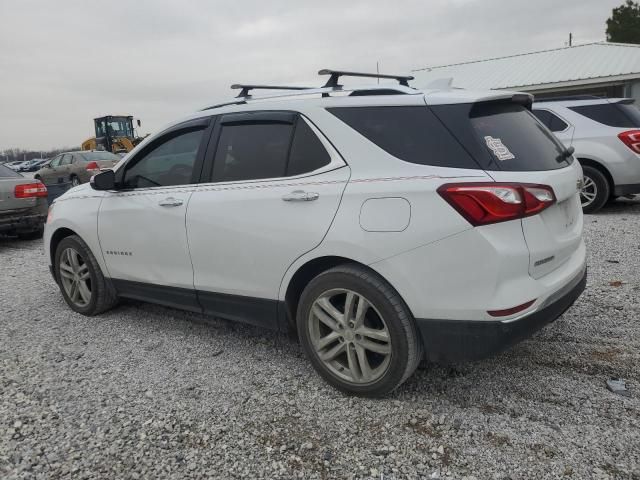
[7, 172]
[503, 136]
[550, 120]
[97, 156]
[544, 116]
[170, 163]
[611, 114]
[307, 152]
[252, 151]
[412, 134]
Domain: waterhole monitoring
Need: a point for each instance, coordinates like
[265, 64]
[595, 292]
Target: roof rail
[247, 88]
[336, 74]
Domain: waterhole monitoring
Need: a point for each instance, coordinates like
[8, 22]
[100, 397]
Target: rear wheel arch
[598, 166]
[307, 272]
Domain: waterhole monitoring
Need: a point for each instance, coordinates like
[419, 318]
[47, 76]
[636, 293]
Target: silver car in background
[23, 205]
[605, 133]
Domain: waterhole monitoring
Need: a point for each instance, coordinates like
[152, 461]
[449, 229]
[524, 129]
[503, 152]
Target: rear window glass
[6, 172]
[503, 136]
[611, 114]
[412, 134]
[97, 156]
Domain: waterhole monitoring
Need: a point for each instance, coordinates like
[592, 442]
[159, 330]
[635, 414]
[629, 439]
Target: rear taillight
[93, 166]
[631, 139]
[486, 203]
[30, 190]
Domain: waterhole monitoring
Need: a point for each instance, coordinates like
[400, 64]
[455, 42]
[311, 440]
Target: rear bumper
[462, 340]
[628, 189]
[22, 223]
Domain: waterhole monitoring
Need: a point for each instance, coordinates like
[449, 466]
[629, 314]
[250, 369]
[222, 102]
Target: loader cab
[110, 128]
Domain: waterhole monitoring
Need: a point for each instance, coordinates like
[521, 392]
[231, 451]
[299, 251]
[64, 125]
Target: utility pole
[570, 38]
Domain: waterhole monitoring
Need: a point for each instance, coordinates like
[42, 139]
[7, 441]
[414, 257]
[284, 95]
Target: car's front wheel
[357, 331]
[81, 281]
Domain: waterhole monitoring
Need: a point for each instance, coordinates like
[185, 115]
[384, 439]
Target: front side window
[66, 160]
[56, 161]
[167, 163]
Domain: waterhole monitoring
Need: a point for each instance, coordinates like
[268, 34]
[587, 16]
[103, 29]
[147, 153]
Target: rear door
[275, 186]
[513, 146]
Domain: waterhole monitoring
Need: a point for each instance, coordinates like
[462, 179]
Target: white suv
[605, 134]
[384, 224]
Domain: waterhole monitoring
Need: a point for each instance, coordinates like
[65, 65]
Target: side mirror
[104, 180]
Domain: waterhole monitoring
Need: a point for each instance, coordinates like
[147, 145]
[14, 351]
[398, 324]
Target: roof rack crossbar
[244, 93]
[336, 74]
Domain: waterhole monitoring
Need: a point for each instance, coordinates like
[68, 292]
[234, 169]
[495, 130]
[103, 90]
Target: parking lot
[145, 391]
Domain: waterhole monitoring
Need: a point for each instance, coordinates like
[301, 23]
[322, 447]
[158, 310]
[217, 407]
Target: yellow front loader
[114, 134]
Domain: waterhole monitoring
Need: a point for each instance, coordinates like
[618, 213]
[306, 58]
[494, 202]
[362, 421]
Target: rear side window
[252, 151]
[307, 152]
[412, 134]
[259, 150]
[611, 114]
[503, 136]
[550, 120]
[6, 172]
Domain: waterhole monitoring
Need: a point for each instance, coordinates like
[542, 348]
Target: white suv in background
[384, 224]
[605, 134]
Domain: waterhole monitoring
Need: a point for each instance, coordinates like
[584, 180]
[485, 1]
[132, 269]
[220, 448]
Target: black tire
[103, 295]
[33, 235]
[603, 190]
[406, 345]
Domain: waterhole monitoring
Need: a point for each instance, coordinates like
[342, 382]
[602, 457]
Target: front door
[276, 184]
[141, 226]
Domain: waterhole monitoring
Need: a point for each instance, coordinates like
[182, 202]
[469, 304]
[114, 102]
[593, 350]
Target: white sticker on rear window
[499, 150]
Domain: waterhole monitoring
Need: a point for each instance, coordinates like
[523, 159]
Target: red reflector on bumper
[510, 311]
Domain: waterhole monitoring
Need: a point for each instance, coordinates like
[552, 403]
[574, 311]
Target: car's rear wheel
[81, 281]
[357, 331]
[595, 190]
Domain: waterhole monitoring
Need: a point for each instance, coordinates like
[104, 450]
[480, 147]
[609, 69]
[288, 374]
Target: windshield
[115, 126]
[97, 156]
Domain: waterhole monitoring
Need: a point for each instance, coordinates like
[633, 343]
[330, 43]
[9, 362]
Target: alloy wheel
[589, 191]
[75, 181]
[349, 336]
[75, 277]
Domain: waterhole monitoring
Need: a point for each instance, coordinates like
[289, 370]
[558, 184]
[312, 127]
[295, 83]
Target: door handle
[170, 202]
[300, 196]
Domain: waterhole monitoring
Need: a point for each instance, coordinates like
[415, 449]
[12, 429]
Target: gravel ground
[150, 392]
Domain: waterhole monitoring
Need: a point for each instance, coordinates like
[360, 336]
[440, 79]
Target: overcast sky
[64, 62]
